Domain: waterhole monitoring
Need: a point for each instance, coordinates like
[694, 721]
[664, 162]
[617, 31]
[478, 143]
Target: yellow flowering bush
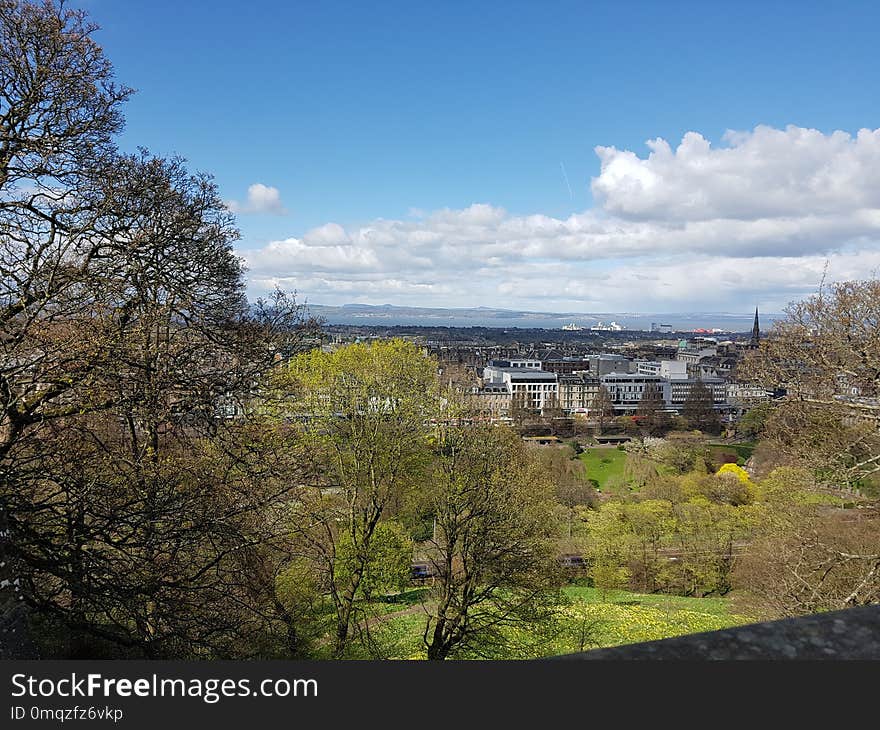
[737, 471]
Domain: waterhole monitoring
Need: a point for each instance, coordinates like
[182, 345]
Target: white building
[626, 389]
[673, 369]
[680, 389]
[529, 388]
[527, 363]
[667, 369]
[746, 395]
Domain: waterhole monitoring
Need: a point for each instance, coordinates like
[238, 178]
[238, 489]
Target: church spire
[756, 331]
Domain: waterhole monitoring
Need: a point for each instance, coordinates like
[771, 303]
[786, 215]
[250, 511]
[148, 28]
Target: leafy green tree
[493, 547]
[389, 564]
[679, 535]
[651, 522]
[751, 425]
[362, 412]
[607, 546]
[608, 577]
[705, 540]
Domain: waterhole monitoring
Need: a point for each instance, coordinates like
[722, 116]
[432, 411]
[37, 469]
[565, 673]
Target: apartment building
[576, 391]
[492, 400]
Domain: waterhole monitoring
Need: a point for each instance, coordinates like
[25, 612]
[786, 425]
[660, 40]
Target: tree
[652, 410]
[698, 409]
[624, 543]
[678, 535]
[607, 548]
[602, 407]
[639, 470]
[751, 425]
[703, 542]
[133, 513]
[682, 452]
[569, 477]
[389, 564]
[362, 412]
[825, 355]
[136, 534]
[807, 561]
[59, 110]
[608, 577]
[492, 551]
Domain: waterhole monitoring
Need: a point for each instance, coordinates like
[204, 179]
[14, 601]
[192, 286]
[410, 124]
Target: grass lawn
[713, 606]
[397, 601]
[742, 451]
[603, 463]
[583, 622]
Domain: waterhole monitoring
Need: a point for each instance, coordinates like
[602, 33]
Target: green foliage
[682, 454]
[795, 486]
[609, 577]
[361, 415]
[387, 569]
[677, 536]
[297, 585]
[751, 425]
[494, 507]
[639, 470]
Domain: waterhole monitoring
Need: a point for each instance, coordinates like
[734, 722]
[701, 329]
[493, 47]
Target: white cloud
[260, 199]
[695, 227]
[766, 173]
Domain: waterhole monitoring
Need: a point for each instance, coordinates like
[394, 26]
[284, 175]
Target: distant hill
[390, 314]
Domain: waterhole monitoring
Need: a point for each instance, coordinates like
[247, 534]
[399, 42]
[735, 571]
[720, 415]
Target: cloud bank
[260, 199]
[754, 220]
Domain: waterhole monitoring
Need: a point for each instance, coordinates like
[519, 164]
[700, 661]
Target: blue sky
[368, 118]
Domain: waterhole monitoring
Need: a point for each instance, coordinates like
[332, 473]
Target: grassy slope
[713, 606]
[603, 463]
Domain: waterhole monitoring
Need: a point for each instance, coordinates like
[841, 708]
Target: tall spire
[756, 331]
